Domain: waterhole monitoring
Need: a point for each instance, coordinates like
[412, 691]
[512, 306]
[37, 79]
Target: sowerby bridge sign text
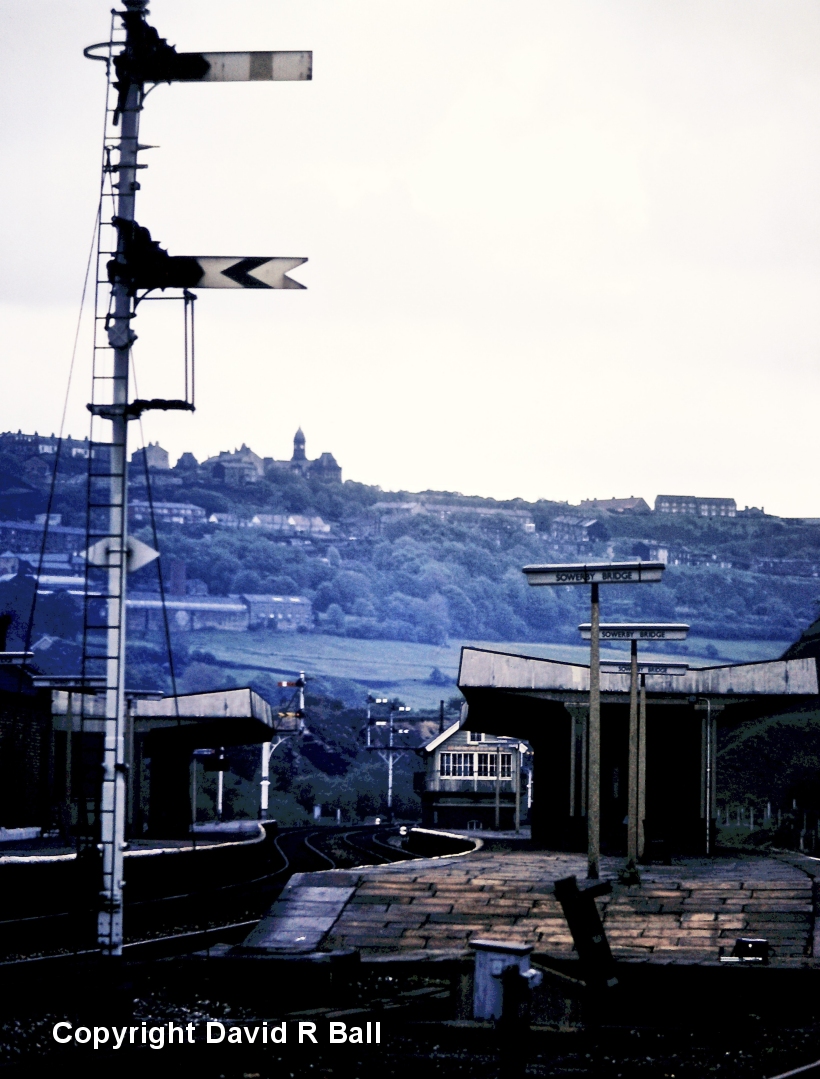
[637, 631]
[612, 573]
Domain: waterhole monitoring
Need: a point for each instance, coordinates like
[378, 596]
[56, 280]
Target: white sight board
[238, 271]
[667, 669]
[637, 631]
[254, 67]
[595, 573]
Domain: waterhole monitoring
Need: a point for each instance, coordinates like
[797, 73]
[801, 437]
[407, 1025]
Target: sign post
[593, 574]
[634, 632]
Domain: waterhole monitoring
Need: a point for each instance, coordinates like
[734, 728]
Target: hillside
[434, 567]
[423, 578]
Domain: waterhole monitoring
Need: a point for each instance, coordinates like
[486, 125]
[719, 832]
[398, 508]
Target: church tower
[299, 446]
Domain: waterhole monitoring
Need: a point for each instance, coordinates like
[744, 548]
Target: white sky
[557, 250]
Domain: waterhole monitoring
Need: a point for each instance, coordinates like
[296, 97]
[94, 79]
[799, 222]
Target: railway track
[188, 921]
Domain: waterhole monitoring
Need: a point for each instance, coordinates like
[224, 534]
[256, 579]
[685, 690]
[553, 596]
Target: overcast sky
[560, 250]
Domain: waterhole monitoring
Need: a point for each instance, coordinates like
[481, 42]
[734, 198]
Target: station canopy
[497, 684]
[222, 717]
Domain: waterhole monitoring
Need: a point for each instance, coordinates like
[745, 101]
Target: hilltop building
[324, 467]
[577, 530]
[34, 457]
[292, 524]
[238, 467]
[389, 511]
[178, 513]
[153, 455]
[695, 506]
[235, 468]
[615, 505]
[42, 445]
[187, 463]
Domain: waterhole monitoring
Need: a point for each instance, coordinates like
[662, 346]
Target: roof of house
[576, 522]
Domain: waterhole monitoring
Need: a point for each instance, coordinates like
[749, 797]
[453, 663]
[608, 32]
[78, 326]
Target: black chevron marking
[240, 272]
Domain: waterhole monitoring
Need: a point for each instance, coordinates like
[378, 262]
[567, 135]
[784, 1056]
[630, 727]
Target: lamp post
[635, 632]
[594, 574]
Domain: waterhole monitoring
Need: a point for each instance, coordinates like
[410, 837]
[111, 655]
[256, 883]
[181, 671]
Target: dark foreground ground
[691, 1035]
[413, 1051]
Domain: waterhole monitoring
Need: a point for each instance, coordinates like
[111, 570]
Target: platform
[684, 913]
[53, 849]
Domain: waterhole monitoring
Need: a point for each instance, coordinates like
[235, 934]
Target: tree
[335, 621]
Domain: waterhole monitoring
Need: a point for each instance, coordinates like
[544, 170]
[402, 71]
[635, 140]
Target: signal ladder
[106, 516]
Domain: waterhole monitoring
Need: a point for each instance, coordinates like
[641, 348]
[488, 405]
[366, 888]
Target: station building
[546, 703]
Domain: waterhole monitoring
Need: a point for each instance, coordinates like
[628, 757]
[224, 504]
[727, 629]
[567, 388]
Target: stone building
[179, 513]
[324, 467]
[235, 468]
[695, 506]
[234, 613]
[153, 455]
[577, 530]
[286, 614]
[23, 445]
[615, 505]
[145, 612]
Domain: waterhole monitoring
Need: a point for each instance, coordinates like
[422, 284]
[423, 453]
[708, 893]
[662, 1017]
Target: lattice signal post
[391, 752]
[137, 265]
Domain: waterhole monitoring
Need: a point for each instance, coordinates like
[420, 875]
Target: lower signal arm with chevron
[142, 264]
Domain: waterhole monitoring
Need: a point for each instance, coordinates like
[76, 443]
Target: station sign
[637, 631]
[667, 669]
[595, 573]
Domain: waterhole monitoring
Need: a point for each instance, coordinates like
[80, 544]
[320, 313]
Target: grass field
[402, 669]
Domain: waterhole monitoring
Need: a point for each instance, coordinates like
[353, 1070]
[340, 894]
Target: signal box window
[456, 764]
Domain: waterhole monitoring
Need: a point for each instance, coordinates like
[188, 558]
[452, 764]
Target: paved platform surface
[685, 913]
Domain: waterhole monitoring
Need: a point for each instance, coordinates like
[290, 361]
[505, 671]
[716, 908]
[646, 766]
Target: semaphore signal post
[139, 265]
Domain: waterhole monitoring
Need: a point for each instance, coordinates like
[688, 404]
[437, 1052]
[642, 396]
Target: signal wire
[53, 483]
